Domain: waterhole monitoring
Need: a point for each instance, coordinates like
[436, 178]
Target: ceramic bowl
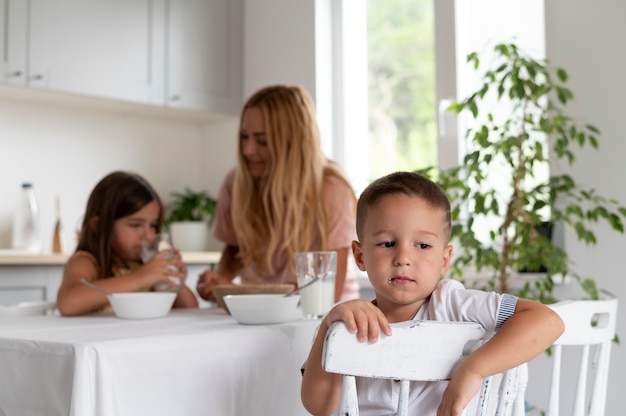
[142, 305]
[249, 289]
[27, 308]
[263, 308]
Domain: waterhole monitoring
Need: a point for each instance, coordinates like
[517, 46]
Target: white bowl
[262, 308]
[142, 305]
[220, 291]
[27, 308]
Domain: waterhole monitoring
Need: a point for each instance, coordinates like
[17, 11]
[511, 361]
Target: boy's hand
[361, 317]
[462, 388]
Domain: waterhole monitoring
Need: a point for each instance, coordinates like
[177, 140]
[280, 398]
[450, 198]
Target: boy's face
[403, 249]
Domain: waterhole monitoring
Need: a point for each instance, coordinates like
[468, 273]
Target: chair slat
[589, 326]
[417, 350]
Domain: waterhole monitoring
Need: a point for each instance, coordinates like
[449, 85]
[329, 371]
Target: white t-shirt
[450, 301]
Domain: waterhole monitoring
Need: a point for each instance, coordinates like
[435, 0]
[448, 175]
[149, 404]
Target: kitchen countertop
[7, 258]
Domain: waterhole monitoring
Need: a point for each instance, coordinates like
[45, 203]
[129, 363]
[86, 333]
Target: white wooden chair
[590, 327]
[417, 350]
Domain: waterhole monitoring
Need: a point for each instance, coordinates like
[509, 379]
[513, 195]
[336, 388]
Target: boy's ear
[358, 255]
[447, 258]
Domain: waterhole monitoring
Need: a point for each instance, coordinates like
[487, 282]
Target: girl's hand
[361, 317]
[180, 265]
[164, 264]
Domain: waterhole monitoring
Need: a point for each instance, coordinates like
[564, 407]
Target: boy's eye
[424, 246]
[388, 244]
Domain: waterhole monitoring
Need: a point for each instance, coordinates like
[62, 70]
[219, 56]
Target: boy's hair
[405, 183]
[117, 195]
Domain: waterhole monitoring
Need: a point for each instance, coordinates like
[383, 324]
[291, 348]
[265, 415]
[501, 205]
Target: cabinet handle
[37, 77]
[175, 98]
[15, 74]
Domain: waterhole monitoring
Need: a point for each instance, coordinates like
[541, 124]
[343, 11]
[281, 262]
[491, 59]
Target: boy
[403, 226]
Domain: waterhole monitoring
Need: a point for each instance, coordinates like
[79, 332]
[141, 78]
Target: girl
[284, 196]
[123, 211]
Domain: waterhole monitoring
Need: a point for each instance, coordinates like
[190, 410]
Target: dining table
[190, 362]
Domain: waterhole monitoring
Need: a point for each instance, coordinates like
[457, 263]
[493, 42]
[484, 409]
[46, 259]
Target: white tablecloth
[192, 362]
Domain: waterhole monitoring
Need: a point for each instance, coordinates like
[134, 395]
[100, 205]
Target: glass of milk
[319, 266]
[162, 241]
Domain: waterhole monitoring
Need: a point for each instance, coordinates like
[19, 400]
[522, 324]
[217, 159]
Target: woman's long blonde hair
[284, 211]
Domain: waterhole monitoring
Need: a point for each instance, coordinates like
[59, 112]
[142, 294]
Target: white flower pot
[189, 235]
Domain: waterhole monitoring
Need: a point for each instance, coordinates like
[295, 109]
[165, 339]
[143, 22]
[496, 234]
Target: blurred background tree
[401, 77]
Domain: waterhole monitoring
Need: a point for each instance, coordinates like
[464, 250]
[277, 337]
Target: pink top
[341, 208]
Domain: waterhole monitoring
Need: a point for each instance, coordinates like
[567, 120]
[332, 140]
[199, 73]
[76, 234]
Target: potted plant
[497, 185]
[189, 215]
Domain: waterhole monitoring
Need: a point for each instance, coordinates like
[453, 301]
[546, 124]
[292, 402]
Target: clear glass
[26, 225]
[161, 241]
[317, 298]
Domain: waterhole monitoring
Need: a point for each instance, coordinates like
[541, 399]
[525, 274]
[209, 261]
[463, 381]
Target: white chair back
[590, 327]
[417, 350]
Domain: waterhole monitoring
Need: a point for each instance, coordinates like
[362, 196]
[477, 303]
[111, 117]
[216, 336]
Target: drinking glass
[319, 267]
[161, 241]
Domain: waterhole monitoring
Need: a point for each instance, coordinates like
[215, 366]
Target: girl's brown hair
[284, 211]
[117, 195]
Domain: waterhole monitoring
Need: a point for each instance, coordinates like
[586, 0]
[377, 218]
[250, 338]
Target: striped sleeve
[506, 310]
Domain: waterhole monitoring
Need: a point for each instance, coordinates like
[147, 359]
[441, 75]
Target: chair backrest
[417, 350]
[590, 327]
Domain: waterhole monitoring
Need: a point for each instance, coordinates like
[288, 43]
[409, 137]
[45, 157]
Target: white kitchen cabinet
[204, 55]
[174, 53]
[105, 48]
[38, 277]
[29, 283]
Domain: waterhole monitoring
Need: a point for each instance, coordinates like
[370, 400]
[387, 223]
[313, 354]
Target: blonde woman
[283, 196]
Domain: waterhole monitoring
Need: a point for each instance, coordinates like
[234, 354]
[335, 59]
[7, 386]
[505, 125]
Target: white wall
[64, 151]
[279, 44]
[586, 38]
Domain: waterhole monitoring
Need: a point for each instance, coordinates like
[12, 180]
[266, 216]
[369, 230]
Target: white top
[450, 301]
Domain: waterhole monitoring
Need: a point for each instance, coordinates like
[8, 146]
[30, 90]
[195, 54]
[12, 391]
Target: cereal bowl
[249, 289]
[262, 308]
[142, 305]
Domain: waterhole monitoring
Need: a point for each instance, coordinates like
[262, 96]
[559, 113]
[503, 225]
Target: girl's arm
[529, 332]
[74, 298]
[185, 298]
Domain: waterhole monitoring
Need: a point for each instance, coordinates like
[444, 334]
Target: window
[414, 52]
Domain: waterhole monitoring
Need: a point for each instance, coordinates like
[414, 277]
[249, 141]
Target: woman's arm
[340, 276]
[228, 267]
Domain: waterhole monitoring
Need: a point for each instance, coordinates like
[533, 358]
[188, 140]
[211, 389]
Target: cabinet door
[96, 47]
[13, 39]
[204, 55]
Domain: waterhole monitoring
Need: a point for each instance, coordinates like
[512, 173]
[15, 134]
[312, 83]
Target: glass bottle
[26, 227]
